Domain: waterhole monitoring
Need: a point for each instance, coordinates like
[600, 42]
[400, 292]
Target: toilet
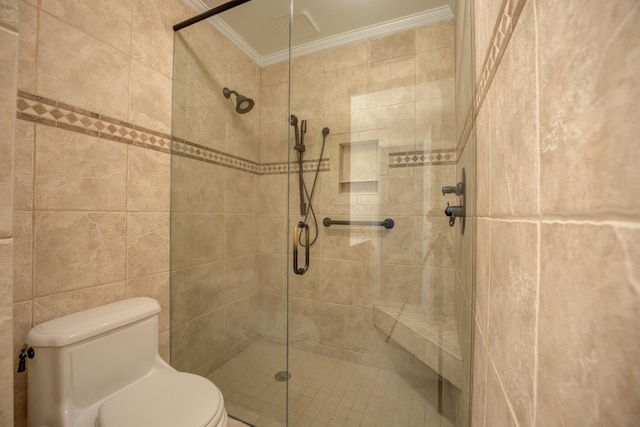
[101, 368]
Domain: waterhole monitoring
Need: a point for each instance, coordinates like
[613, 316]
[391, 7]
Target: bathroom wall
[215, 170]
[396, 90]
[91, 186]
[556, 299]
[8, 84]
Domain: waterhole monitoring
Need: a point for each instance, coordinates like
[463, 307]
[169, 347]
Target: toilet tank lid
[78, 326]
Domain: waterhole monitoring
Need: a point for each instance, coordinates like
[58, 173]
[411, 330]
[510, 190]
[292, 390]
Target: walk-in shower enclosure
[377, 331]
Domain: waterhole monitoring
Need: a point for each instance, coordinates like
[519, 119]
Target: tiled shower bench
[435, 343]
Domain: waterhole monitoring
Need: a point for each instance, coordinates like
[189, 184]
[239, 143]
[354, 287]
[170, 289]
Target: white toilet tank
[83, 358]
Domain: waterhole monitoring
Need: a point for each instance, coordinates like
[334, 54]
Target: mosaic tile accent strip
[57, 114]
[194, 151]
[411, 159]
[48, 112]
[509, 15]
[307, 166]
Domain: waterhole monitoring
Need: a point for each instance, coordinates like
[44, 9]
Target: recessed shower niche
[358, 171]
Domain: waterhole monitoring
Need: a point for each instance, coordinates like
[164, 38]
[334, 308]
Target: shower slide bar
[387, 223]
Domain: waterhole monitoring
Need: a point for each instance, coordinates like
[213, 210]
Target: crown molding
[407, 22]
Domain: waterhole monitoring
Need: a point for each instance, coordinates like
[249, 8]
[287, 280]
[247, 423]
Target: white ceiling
[260, 27]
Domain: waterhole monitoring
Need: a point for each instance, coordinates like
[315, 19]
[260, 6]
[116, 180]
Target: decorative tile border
[411, 159]
[195, 151]
[45, 111]
[509, 15]
[48, 112]
[307, 166]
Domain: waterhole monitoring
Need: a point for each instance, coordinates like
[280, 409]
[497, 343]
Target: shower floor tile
[324, 392]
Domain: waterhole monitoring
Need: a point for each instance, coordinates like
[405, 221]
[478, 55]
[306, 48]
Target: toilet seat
[165, 399]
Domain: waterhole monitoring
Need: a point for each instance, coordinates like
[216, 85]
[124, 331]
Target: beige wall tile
[271, 194]
[341, 326]
[239, 191]
[86, 73]
[482, 285]
[205, 187]
[274, 74]
[588, 119]
[79, 172]
[497, 412]
[485, 15]
[513, 294]
[147, 244]
[435, 36]
[340, 88]
[479, 372]
[241, 320]
[6, 275]
[206, 337]
[76, 250]
[342, 282]
[391, 74]
[273, 105]
[24, 165]
[149, 180]
[22, 256]
[27, 51]
[273, 142]
[239, 235]
[149, 98]
[204, 238]
[304, 320]
[157, 287]
[8, 72]
[152, 40]
[61, 304]
[22, 318]
[587, 367]
[243, 280]
[483, 158]
[435, 246]
[9, 11]
[271, 315]
[6, 366]
[271, 233]
[514, 147]
[243, 131]
[204, 285]
[391, 46]
[108, 22]
[272, 273]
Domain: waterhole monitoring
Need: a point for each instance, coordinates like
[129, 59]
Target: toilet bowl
[101, 368]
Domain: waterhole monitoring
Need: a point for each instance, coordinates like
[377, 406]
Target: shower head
[294, 120]
[243, 104]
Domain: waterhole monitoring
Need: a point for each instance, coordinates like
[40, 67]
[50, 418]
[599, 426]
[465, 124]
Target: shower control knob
[453, 212]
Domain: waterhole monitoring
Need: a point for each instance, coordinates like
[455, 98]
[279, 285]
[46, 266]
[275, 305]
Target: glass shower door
[341, 147]
[378, 324]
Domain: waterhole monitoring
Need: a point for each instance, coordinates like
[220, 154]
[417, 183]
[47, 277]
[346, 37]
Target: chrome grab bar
[296, 232]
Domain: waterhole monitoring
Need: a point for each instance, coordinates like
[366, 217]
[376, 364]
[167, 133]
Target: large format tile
[8, 74]
[79, 172]
[147, 244]
[149, 180]
[76, 250]
[81, 71]
[512, 315]
[588, 107]
[514, 143]
[63, 303]
[109, 22]
[588, 325]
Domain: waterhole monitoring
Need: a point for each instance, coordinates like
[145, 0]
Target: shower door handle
[296, 232]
